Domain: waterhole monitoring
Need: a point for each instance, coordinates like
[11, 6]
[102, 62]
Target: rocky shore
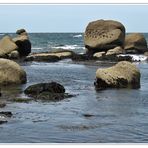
[104, 40]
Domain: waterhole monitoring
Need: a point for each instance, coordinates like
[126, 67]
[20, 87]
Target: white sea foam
[1, 34]
[37, 48]
[77, 36]
[136, 57]
[68, 47]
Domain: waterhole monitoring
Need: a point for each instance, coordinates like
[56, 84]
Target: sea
[106, 116]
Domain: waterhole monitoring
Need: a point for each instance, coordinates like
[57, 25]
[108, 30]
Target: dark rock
[88, 115]
[47, 91]
[2, 104]
[20, 31]
[6, 114]
[23, 43]
[81, 57]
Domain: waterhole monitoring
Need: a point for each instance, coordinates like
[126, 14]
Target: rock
[112, 54]
[52, 56]
[124, 58]
[47, 91]
[80, 57]
[146, 54]
[21, 31]
[135, 43]
[62, 54]
[11, 73]
[102, 35]
[2, 104]
[122, 75]
[23, 42]
[99, 55]
[42, 57]
[24, 45]
[14, 55]
[52, 87]
[4, 116]
[115, 51]
[21, 100]
[7, 46]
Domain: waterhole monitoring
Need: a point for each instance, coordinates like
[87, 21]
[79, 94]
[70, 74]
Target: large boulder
[23, 42]
[102, 35]
[47, 91]
[11, 73]
[7, 46]
[122, 75]
[135, 43]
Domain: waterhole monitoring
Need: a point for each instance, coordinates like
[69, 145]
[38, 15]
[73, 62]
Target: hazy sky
[70, 18]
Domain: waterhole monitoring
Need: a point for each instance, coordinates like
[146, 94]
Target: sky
[70, 18]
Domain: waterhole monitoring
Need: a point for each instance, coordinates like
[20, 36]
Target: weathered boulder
[47, 91]
[102, 35]
[135, 43]
[122, 75]
[7, 46]
[23, 42]
[11, 73]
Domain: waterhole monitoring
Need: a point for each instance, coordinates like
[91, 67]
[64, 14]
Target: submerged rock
[47, 91]
[11, 73]
[135, 43]
[122, 75]
[2, 104]
[4, 116]
[102, 35]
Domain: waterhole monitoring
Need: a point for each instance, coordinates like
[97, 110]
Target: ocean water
[118, 115]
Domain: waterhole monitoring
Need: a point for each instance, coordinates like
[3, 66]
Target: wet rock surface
[4, 115]
[47, 91]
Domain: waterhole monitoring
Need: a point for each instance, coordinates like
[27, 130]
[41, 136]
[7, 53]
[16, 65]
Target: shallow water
[118, 115]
